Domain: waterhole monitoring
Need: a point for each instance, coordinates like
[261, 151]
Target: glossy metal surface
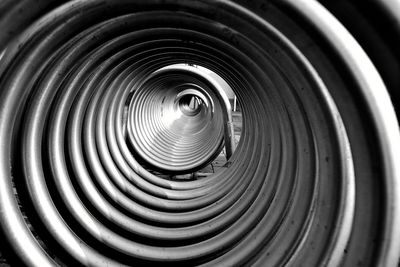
[88, 107]
[176, 119]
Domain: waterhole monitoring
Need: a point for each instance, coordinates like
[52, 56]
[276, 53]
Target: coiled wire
[166, 131]
[313, 180]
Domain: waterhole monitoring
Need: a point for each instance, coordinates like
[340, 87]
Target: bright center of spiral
[191, 105]
[176, 120]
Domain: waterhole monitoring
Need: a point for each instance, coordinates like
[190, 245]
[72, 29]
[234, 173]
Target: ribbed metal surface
[176, 120]
[313, 180]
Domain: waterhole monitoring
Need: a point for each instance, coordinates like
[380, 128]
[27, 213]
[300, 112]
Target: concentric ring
[91, 102]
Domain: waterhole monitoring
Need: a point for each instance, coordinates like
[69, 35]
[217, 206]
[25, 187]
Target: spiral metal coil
[175, 124]
[313, 181]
